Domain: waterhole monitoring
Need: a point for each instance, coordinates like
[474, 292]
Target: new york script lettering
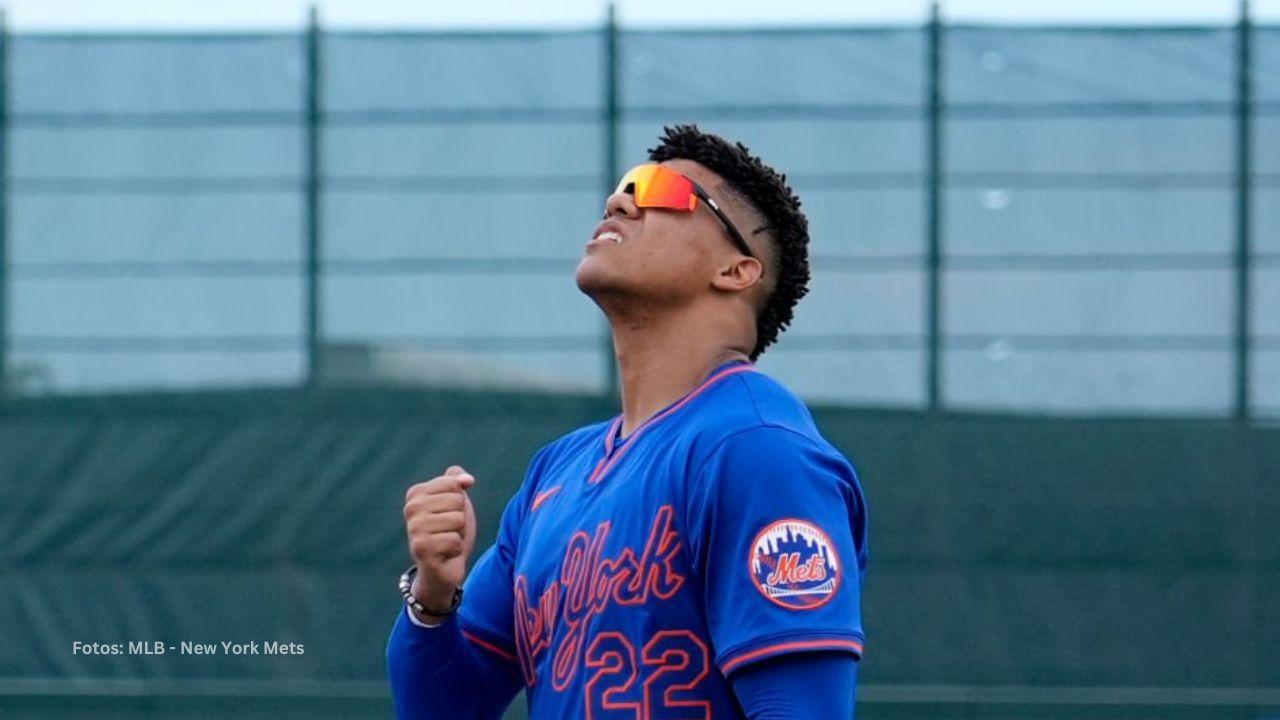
[588, 583]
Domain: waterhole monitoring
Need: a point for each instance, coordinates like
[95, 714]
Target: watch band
[406, 590]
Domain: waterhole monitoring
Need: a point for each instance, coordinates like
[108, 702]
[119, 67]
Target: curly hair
[765, 190]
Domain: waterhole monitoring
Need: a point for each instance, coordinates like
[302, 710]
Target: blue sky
[225, 14]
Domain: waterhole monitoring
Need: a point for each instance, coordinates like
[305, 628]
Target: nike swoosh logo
[544, 496]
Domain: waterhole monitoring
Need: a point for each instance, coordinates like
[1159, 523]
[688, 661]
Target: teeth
[615, 237]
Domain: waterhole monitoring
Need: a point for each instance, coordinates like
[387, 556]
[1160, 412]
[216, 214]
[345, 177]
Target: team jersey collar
[612, 440]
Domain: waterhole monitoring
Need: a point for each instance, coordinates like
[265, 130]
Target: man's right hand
[441, 525]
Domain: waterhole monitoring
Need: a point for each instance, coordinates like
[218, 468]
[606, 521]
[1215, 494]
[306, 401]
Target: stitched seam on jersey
[763, 425]
[688, 546]
[752, 397]
[765, 640]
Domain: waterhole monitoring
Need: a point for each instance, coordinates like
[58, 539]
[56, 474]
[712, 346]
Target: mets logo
[794, 564]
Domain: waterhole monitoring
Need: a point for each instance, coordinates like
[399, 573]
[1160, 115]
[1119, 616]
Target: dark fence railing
[316, 181]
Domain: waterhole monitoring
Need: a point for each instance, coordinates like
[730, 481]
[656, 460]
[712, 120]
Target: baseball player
[701, 555]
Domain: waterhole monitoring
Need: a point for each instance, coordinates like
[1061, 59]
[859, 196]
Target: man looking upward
[701, 555]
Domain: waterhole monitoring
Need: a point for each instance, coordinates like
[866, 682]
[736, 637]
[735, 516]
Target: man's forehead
[695, 171]
[730, 198]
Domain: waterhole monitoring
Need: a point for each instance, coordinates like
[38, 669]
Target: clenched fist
[441, 525]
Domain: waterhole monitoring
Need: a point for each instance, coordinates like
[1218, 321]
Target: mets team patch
[794, 564]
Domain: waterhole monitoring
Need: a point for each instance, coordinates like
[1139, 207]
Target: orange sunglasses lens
[657, 187]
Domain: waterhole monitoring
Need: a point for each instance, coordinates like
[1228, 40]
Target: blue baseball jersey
[632, 576]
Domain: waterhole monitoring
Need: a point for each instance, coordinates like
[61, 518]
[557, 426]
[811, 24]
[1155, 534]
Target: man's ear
[740, 275]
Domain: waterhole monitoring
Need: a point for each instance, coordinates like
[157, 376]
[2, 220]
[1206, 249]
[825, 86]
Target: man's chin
[599, 285]
[591, 279]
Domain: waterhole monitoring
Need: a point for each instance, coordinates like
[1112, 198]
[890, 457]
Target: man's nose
[623, 204]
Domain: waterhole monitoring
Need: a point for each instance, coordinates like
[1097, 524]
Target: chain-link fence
[1021, 218]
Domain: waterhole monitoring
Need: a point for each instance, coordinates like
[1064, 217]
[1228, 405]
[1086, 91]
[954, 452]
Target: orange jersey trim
[853, 645]
[489, 646]
[606, 463]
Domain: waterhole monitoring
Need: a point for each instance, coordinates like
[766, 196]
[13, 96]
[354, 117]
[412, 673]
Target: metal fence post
[5, 287]
[610, 160]
[933, 209]
[1244, 122]
[311, 190]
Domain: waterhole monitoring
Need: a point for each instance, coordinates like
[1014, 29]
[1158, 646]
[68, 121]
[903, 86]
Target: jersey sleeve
[777, 527]
[436, 672]
[466, 666]
[767, 690]
[486, 615]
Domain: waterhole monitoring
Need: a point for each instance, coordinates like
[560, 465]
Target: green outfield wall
[1017, 564]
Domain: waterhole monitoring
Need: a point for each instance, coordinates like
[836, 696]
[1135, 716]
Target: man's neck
[660, 362]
